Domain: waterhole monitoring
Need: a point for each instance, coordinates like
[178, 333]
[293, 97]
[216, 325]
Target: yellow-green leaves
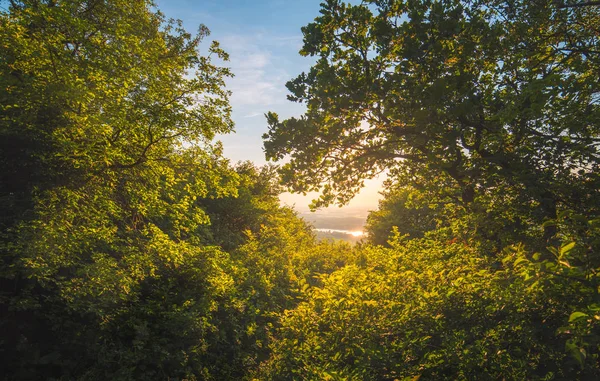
[108, 115]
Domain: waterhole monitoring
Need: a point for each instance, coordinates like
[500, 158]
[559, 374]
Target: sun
[357, 233]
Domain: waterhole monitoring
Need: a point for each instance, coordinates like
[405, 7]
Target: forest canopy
[132, 249]
[487, 99]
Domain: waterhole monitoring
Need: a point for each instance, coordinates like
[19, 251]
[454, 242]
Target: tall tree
[107, 116]
[497, 99]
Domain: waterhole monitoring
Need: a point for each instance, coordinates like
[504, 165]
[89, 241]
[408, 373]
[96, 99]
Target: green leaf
[566, 248]
[520, 261]
[576, 316]
[578, 353]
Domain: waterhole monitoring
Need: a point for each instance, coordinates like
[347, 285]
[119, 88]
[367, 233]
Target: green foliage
[278, 262]
[570, 272]
[428, 310]
[108, 112]
[496, 104]
[490, 112]
[131, 249]
[404, 209]
[252, 205]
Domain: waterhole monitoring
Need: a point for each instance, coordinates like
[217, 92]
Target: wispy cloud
[259, 78]
[253, 114]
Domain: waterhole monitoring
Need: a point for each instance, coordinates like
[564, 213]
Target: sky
[262, 38]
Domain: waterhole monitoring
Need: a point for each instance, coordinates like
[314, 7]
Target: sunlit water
[354, 233]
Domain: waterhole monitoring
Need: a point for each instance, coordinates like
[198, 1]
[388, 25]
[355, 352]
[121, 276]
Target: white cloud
[253, 115]
[254, 60]
[259, 79]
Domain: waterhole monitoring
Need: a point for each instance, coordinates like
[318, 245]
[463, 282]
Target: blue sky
[263, 38]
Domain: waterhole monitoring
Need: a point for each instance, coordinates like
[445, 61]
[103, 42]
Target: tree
[255, 201]
[496, 99]
[401, 208]
[108, 112]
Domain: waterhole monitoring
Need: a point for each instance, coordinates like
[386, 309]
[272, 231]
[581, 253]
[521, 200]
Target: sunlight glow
[357, 233]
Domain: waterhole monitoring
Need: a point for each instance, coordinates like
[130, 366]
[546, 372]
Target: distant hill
[337, 236]
[337, 221]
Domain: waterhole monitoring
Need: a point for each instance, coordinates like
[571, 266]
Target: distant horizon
[360, 205]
